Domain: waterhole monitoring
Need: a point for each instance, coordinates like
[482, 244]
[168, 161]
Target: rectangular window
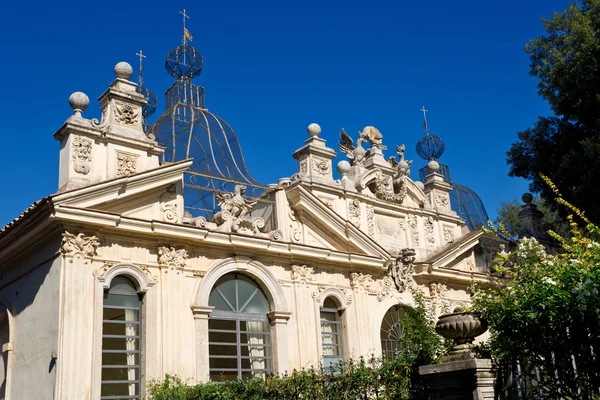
[331, 335]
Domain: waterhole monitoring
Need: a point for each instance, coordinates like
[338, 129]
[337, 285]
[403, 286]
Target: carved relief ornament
[171, 258]
[437, 290]
[126, 164]
[414, 232]
[371, 220]
[79, 244]
[354, 212]
[360, 280]
[442, 200]
[429, 229]
[168, 205]
[126, 115]
[302, 273]
[82, 154]
[448, 234]
[321, 166]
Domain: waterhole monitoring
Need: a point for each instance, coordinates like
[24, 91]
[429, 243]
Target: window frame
[387, 352]
[339, 323]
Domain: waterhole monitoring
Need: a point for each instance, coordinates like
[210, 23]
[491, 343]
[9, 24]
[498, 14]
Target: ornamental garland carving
[448, 234]
[437, 290]
[302, 273]
[360, 280]
[354, 212]
[442, 200]
[371, 220]
[126, 115]
[126, 164]
[412, 222]
[168, 205]
[321, 166]
[82, 154]
[429, 229]
[171, 258]
[79, 244]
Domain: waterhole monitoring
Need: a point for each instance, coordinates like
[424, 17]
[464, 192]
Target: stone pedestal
[460, 380]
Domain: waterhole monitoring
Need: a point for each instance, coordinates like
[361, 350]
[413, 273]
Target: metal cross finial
[142, 56]
[185, 16]
[425, 125]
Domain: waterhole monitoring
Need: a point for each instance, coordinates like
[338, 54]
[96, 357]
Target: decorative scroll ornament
[437, 290]
[401, 269]
[320, 289]
[385, 288]
[360, 280]
[371, 220]
[412, 222]
[82, 154]
[354, 212]
[429, 229]
[168, 205]
[448, 234]
[171, 258]
[126, 164]
[321, 166]
[302, 273]
[126, 115]
[79, 244]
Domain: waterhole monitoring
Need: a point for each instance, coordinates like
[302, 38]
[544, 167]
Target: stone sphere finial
[314, 130]
[343, 167]
[79, 102]
[527, 198]
[123, 70]
[433, 166]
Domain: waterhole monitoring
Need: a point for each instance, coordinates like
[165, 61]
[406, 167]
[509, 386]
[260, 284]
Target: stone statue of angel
[355, 154]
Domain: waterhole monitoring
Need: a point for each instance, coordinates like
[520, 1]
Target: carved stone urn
[462, 327]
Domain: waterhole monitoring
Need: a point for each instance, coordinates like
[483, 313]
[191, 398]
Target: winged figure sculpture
[357, 153]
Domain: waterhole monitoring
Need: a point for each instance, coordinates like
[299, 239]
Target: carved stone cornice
[79, 244]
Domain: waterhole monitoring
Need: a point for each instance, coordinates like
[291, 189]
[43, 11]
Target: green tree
[508, 217]
[565, 147]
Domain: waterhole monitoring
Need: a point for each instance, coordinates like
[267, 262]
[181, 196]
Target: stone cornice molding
[201, 312]
[143, 279]
[279, 317]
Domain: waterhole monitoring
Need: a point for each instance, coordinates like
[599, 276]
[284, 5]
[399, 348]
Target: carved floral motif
[321, 167]
[73, 244]
[125, 114]
[448, 234]
[354, 212]
[82, 154]
[360, 280]
[126, 164]
[386, 287]
[371, 220]
[429, 229]
[437, 290]
[302, 273]
[303, 168]
[442, 200]
[412, 222]
[174, 259]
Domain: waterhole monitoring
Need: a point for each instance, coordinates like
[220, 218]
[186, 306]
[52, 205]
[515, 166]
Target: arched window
[332, 341]
[121, 341]
[239, 334]
[391, 332]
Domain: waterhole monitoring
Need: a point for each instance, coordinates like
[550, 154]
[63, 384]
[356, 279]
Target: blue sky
[273, 67]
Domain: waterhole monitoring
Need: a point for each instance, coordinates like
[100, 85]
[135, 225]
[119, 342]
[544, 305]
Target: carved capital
[302, 273]
[79, 244]
[171, 258]
[358, 280]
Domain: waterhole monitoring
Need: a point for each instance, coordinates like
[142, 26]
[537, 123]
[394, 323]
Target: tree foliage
[547, 316]
[565, 147]
[356, 379]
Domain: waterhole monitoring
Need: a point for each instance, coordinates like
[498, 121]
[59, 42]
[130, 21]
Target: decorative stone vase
[462, 327]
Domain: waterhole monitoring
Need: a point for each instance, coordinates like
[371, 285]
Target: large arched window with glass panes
[121, 341]
[239, 332]
[391, 332]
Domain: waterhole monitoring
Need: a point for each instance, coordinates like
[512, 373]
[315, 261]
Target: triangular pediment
[141, 195]
[325, 228]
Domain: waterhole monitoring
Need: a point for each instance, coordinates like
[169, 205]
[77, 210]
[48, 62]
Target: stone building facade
[109, 282]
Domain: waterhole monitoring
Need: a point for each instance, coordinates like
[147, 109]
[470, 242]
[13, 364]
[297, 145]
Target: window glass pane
[222, 337]
[253, 375]
[255, 351]
[120, 374]
[329, 316]
[254, 326]
[332, 350]
[246, 288]
[119, 344]
[331, 362]
[113, 314]
[226, 285]
[256, 363]
[258, 304]
[218, 302]
[222, 324]
[122, 300]
[120, 359]
[119, 389]
[120, 284]
[219, 363]
[222, 350]
[120, 329]
[254, 338]
[329, 303]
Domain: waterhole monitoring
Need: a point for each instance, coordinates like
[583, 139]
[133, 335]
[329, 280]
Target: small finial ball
[79, 101]
[123, 70]
[527, 198]
[420, 185]
[343, 167]
[433, 166]
[314, 130]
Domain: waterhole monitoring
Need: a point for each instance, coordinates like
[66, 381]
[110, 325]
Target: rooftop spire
[186, 33]
[142, 56]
